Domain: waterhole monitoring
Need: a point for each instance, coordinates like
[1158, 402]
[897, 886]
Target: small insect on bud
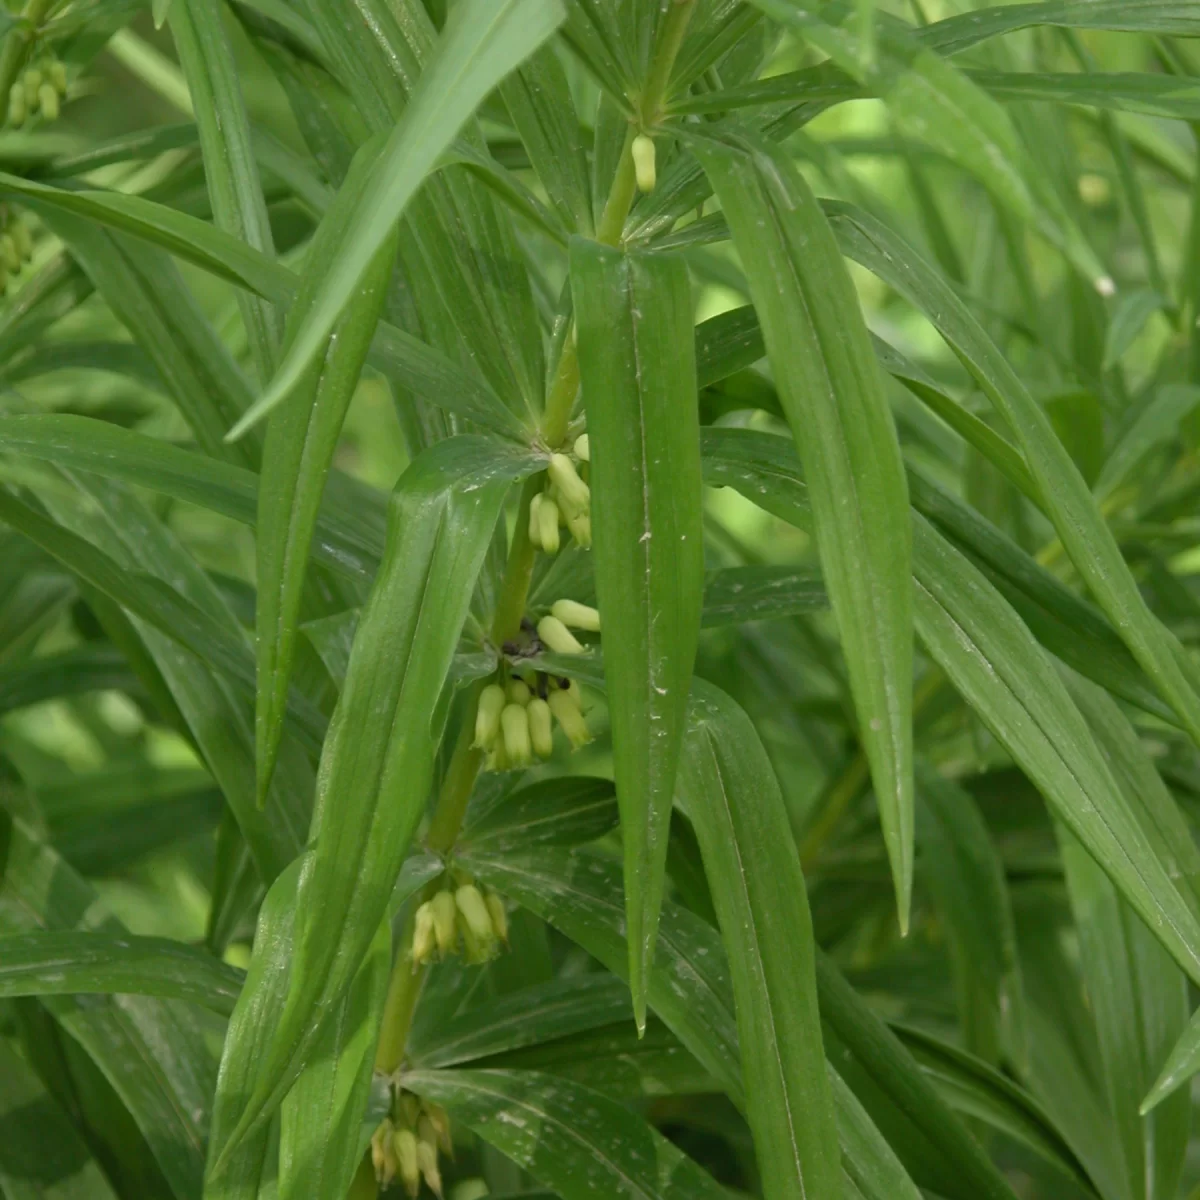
[566, 710]
[487, 716]
[499, 915]
[644, 162]
[424, 941]
[31, 81]
[518, 692]
[575, 495]
[581, 530]
[541, 731]
[18, 107]
[428, 1163]
[445, 921]
[58, 76]
[19, 231]
[535, 525]
[557, 637]
[548, 525]
[9, 254]
[48, 99]
[583, 448]
[576, 616]
[404, 1141]
[514, 722]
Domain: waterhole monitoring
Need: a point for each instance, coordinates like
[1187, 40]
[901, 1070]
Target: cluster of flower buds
[16, 245]
[407, 1144]
[476, 918]
[39, 90]
[567, 501]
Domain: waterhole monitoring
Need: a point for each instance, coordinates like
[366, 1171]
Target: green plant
[750, 750]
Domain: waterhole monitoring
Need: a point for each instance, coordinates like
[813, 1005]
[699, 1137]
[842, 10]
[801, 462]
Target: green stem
[17, 42]
[404, 989]
[659, 79]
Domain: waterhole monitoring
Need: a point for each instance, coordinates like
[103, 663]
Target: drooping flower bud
[514, 722]
[428, 1163]
[383, 1156]
[575, 495]
[566, 710]
[518, 692]
[541, 731]
[404, 1141]
[487, 716]
[581, 530]
[445, 921]
[583, 448]
[58, 76]
[48, 100]
[644, 162]
[439, 1119]
[31, 81]
[576, 616]
[499, 915]
[548, 525]
[18, 107]
[557, 637]
[479, 939]
[535, 524]
[424, 941]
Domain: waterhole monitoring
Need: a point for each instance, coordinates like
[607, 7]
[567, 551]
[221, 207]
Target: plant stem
[17, 42]
[404, 988]
[657, 82]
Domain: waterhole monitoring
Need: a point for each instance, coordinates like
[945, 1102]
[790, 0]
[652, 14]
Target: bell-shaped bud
[576, 616]
[583, 448]
[57, 74]
[383, 1156]
[427, 1160]
[518, 692]
[644, 162]
[499, 915]
[424, 941]
[404, 1141]
[548, 515]
[18, 106]
[48, 100]
[541, 730]
[439, 1119]
[514, 723]
[581, 530]
[567, 712]
[473, 908]
[535, 525]
[445, 921]
[31, 81]
[487, 716]
[573, 493]
[557, 637]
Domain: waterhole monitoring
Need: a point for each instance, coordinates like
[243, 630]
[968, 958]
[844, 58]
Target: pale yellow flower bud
[499, 915]
[581, 530]
[518, 692]
[404, 1142]
[575, 495]
[583, 448]
[514, 722]
[557, 637]
[427, 1161]
[383, 1157]
[548, 526]
[566, 710]
[470, 903]
[487, 716]
[48, 100]
[644, 162]
[576, 616]
[424, 941]
[535, 525]
[445, 921]
[541, 731]
[440, 1120]
[31, 81]
[58, 77]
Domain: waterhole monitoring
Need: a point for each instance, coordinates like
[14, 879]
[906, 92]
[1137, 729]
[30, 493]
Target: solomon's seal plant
[599, 599]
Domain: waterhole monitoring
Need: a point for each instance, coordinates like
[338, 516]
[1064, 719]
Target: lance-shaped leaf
[833, 395]
[301, 439]
[377, 762]
[568, 1137]
[728, 789]
[483, 41]
[638, 370]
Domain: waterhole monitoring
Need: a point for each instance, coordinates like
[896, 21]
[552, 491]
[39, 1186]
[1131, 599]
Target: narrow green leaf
[568, 1137]
[320, 1134]
[1069, 504]
[870, 1164]
[230, 167]
[377, 761]
[69, 962]
[483, 42]
[302, 437]
[42, 1156]
[553, 812]
[634, 319]
[728, 789]
[834, 399]
[1155, 422]
[735, 595]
